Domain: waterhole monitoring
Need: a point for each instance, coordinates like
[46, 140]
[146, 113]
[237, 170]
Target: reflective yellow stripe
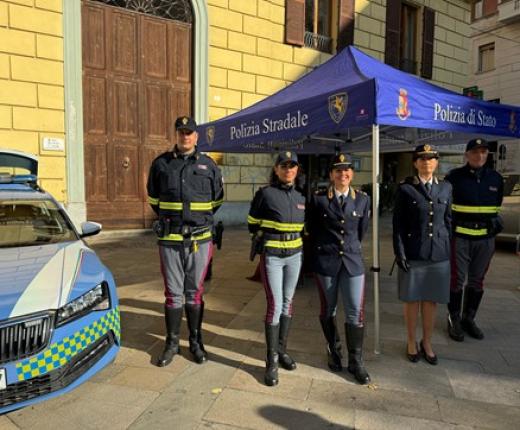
[289, 244]
[217, 203]
[281, 226]
[180, 238]
[194, 206]
[471, 231]
[174, 206]
[475, 209]
[201, 206]
[153, 201]
[251, 220]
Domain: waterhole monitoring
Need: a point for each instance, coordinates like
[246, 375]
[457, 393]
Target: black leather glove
[402, 263]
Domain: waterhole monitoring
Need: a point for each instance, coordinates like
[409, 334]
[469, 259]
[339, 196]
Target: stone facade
[502, 82]
[31, 84]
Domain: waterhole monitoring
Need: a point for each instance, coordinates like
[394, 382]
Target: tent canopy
[341, 99]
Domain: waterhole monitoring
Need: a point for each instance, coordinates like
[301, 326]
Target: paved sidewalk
[475, 385]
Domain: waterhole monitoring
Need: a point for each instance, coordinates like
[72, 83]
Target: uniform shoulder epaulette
[360, 192]
[320, 192]
[408, 180]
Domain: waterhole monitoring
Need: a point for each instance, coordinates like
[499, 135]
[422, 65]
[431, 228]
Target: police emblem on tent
[403, 111]
[338, 106]
[210, 134]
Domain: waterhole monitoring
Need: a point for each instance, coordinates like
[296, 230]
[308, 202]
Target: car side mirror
[90, 228]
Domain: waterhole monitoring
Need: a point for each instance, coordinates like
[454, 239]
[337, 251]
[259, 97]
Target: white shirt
[345, 194]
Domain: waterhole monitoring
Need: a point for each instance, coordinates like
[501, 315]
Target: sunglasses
[288, 165]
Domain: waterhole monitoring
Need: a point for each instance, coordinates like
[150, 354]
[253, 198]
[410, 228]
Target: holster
[257, 245]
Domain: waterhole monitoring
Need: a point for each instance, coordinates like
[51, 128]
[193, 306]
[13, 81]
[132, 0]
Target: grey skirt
[425, 281]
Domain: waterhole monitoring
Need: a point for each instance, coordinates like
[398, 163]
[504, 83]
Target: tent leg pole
[375, 232]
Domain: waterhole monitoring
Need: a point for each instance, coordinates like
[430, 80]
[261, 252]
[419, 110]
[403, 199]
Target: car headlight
[97, 299]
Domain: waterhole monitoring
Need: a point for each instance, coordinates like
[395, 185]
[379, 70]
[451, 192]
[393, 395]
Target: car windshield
[32, 222]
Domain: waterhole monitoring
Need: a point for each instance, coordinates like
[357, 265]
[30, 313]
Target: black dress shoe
[414, 358]
[432, 359]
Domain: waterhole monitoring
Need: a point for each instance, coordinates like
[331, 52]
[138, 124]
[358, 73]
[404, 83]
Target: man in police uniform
[337, 220]
[185, 190]
[477, 197]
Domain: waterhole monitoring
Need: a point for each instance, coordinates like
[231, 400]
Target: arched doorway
[137, 77]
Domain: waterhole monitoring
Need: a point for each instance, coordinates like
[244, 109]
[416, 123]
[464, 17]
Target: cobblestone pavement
[475, 385]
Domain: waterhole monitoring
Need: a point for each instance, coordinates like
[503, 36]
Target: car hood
[38, 278]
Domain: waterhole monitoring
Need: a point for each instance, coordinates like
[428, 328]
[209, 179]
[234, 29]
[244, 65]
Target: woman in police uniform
[337, 222]
[421, 238]
[276, 221]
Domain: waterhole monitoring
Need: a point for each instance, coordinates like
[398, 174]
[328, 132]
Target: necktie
[342, 201]
[428, 186]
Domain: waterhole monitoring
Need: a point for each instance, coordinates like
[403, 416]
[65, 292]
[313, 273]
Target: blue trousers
[280, 277]
[352, 293]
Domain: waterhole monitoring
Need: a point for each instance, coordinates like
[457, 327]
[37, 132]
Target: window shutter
[427, 43]
[294, 22]
[393, 32]
[346, 23]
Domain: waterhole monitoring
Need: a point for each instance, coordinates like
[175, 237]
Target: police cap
[427, 151]
[341, 161]
[185, 123]
[285, 157]
[477, 143]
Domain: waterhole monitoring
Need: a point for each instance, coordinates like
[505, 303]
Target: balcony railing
[509, 11]
[317, 41]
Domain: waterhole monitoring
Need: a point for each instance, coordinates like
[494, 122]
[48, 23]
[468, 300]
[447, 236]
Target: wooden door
[136, 81]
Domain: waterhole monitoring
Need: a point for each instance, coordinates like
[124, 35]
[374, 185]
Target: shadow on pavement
[290, 419]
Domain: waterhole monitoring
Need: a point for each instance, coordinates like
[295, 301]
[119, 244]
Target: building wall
[31, 84]
[249, 61]
[503, 81]
[451, 55]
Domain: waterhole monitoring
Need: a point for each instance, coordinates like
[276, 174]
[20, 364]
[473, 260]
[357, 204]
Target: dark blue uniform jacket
[477, 197]
[278, 210]
[186, 191]
[336, 233]
[422, 222]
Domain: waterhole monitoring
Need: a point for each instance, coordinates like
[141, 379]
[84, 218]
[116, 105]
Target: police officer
[185, 190]
[477, 197]
[276, 220]
[421, 237]
[337, 222]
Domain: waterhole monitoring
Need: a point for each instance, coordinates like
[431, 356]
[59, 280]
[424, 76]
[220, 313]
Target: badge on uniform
[300, 206]
[202, 166]
[354, 213]
[491, 188]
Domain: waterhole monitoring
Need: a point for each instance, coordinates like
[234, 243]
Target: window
[477, 9]
[318, 19]
[408, 49]
[483, 8]
[403, 42]
[486, 57]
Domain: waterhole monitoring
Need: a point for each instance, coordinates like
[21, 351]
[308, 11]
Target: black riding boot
[355, 353]
[271, 362]
[330, 331]
[454, 321]
[173, 318]
[471, 304]
[194, 314]
[285, 359]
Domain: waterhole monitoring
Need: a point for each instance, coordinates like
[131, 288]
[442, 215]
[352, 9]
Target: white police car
[59, 315]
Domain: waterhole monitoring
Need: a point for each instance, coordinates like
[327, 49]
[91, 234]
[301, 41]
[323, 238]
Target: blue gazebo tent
[354, 102]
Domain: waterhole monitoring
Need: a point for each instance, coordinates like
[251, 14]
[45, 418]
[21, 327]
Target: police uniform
[276, 220]
[184, 190]
[477, 197]
[421, 236]
[336, 230]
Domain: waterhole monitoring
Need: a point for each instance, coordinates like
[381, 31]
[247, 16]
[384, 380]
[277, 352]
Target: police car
[59, 315]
